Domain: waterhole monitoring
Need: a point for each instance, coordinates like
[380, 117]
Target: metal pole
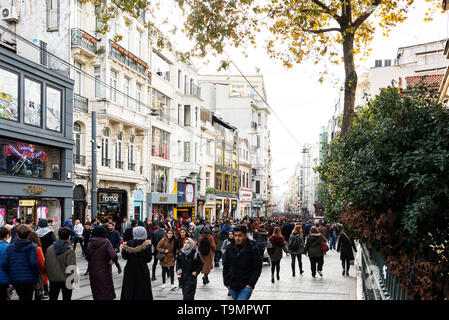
[94, 166]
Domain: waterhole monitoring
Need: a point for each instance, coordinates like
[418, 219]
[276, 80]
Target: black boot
[272, 278]
[293, 272]
[277, 276]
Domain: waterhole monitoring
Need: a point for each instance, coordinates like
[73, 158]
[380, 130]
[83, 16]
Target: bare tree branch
[322, 30]
[358, 22]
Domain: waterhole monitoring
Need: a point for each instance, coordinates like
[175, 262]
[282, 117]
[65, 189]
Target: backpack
[294, 243]
[204, 247]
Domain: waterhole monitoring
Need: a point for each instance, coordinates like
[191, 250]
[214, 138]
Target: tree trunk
[350, 83]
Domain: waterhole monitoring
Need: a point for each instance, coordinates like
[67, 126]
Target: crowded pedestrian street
[332, 286]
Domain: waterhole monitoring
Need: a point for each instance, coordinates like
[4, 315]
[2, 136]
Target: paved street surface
[333, 286]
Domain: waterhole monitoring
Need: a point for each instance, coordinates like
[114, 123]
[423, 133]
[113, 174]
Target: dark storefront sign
[112, 204]
[185, 211]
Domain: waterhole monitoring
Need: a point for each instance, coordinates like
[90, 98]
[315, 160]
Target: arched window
[105, 161]
[131, 164]
[118, 152]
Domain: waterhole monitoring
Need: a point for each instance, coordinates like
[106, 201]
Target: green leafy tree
[386, 180]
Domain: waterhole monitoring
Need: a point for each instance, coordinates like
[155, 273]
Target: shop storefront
[112, 204]
[200, 207]
[209, 207]
[257, 206]
[12, 208]
[138, 205]
[233, 209]
[161, 205]
[218, 208]
[79, 204]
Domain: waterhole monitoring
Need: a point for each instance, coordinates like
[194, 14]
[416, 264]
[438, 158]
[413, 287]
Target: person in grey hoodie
[60, 263]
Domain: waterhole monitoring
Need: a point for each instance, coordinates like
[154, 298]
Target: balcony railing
[119, 164]
[77, 159]
[192, 89]
[131, 166]
[105, 162]
[84, 40]
[127, 58]
[80, 103]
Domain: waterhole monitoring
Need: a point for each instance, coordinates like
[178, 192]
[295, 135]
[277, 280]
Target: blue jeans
[243, 294]
[332, 241]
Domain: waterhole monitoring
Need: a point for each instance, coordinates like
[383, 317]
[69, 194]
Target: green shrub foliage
[387, 180]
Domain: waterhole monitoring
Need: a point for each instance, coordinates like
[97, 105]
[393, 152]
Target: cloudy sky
[303, 104]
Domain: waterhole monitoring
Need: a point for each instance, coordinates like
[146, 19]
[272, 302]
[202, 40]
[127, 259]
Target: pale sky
[303, 104]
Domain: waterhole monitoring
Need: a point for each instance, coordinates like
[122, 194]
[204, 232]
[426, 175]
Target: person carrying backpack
[198, 230]
[206, 247]
[296, 247]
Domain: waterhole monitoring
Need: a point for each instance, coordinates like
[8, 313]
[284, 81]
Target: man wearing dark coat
[114, 236]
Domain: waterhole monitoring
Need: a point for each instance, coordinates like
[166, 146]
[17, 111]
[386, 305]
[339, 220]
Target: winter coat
[345, 247]
[99, 252]
[279, 244]
[296, 237]
[171, 245]
[197, 230]
[157, 236]
[242, 265]
[20, 262]
[47, 238]
[86, 235]
[41, 264]
[136, 276]
[188, 264]
[324, 232]
[4, 279]
[217, 234]
[114, 237]
[269, 228]
[313, 245]
[261, 237]
[57, 258]
[209, 259]
[287, 231]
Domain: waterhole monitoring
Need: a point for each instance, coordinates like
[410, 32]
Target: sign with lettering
[35, 189]
[109, 198]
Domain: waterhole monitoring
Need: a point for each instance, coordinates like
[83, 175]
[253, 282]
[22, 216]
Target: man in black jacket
[242, 265]
[156, 236]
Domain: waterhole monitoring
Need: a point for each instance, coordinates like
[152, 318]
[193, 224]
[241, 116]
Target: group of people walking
[35, 263]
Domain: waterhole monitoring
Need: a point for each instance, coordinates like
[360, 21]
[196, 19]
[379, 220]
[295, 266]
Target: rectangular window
[33, 103]
[126, 89]
[139, 97]
[78, 14]
[78, 78]
[97, 82]
[218, 154]
[43, 57]
[218, 181]
[159, 179]
[140, 44]
[207, 180]
[53, 109]
[179, 79]
[160, 143]
[113, 84]
[179, 113]
[227, 183]
[196, 151]
[257, 186]
[186, 115]
[22, 159]
[186, 151]
[247, 183]
[52, 15]
[235, 185]
[9, 94]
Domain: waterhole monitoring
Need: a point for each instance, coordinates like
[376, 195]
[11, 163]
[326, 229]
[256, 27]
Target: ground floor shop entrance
[112, 204]
[12, 208]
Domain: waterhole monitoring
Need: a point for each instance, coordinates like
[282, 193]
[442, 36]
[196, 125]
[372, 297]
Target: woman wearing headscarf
[188, 266]
[136, 278]
[206, 247]
[101, 256]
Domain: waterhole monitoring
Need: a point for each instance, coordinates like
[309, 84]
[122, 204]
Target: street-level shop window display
[9, 92]
[23, 159]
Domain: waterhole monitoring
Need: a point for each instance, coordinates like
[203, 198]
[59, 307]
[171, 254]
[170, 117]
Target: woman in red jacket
[43, 280]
